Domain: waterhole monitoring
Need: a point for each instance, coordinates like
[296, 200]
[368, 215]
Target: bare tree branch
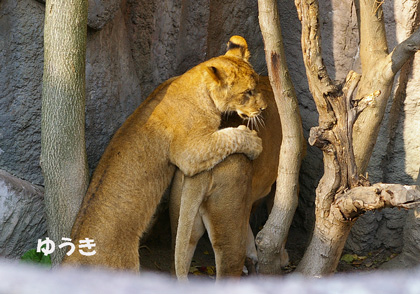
[404, 51]
[358, 200]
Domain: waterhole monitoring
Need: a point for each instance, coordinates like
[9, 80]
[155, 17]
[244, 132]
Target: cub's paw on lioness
[176, 126]
[241, 134]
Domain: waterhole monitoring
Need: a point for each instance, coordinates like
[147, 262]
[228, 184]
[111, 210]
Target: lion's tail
[190, 226]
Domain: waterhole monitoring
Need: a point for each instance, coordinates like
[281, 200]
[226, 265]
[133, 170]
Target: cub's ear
[215, 74]
[238, 47]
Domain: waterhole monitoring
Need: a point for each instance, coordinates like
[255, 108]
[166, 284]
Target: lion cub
[220, 200]
[176, 126]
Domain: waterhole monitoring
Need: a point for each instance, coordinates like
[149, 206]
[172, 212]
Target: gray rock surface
[22, 218]
[21, 65]
[409, 256]
[112, 85]
[100, 12]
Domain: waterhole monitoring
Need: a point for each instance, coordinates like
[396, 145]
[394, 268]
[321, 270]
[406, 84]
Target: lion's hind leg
[226, 214]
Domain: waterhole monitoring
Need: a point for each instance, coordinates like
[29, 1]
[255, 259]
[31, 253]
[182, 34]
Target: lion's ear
[215, 74]
[238, 47]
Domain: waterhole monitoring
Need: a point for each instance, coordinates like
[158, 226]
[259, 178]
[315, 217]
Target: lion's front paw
[252, 146]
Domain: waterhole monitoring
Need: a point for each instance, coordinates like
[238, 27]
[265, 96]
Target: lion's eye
[249, 92]
[245, 98]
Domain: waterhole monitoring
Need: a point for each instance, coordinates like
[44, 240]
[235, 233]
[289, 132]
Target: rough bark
[271, 240]
[342, 195]
[63, 151]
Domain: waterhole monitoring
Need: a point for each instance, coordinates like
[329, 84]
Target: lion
[220, 200]
[177, 126]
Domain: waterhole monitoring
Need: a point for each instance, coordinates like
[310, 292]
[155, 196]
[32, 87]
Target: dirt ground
[156, 253]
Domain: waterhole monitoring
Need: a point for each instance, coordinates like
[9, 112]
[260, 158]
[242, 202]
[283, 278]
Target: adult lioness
[220, 200]
[177, 126]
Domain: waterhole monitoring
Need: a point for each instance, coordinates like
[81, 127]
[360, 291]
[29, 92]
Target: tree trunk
[342, 195]
[63, 151]
[271, 240]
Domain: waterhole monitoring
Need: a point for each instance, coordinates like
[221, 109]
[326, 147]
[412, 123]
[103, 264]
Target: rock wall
[133, 45]
[22, 217]
[21, 63]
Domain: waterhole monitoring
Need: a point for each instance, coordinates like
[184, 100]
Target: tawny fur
[177, 126]
[220, 200]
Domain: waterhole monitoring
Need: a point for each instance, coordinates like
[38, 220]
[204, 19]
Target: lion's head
[234, 81]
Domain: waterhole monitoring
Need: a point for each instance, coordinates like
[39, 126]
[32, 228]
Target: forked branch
[358, 200]
[342, 193]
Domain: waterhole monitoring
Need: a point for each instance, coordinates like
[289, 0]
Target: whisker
[261, 120]
[252, 123]
[257, 122]
[225, 115]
